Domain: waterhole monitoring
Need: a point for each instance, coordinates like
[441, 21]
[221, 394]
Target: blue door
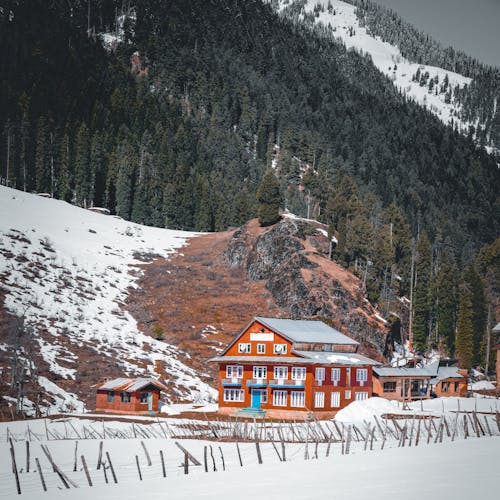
[150, 401]
[256, 397]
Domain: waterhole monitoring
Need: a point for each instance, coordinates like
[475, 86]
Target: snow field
[67, 270]
[459, 468]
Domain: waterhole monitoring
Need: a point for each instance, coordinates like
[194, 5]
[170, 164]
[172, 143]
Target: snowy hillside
[342, 20]
[66, 270]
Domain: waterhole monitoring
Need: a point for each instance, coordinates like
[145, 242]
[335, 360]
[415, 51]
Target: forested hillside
[478, 101]
[218, 93]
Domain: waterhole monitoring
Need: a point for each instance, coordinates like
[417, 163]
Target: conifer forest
[209, 113]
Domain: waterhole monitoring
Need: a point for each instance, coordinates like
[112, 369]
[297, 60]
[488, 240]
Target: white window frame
[319, 399]
[336, 374]
[257, 369]
[299, 373]
[245, 347]
[361, 396]
[320, 374]
[261, 348]
[234, 371]
[361, 376]
[280, 398]
[298, 399]
[281, 372]
[234, 395]
[347, 394]
[282, 348]
[335, 399]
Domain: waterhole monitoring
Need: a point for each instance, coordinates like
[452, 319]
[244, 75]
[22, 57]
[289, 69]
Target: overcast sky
[472, 26]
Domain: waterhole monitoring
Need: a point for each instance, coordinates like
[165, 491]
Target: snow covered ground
[460, 468]
[388, 59]
[66, 270]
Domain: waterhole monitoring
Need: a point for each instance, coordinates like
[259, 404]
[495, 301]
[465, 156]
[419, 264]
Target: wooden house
[129, 395]
[401, 383]
[414, 383]
[291, 369]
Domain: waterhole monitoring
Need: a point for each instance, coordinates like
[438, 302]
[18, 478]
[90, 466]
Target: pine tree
[62, 184]
[479, 313]
[465, 329]
[269, 199]
[422, 306]
[42, 158]
[83, 175]
[446, 301]
[125, 179]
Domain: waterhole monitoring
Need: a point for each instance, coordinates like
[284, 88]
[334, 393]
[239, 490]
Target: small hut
[139, 396]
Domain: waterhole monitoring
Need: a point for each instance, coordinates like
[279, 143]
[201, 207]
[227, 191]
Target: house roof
[496, 328]
[130, 384]
[401, 371]
[307, 358]
[311, 331]
[445, 372]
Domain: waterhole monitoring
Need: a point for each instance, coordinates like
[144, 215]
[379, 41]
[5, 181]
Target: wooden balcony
[287, 384]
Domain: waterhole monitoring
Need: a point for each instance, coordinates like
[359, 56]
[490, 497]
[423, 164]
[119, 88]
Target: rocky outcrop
[291, 258]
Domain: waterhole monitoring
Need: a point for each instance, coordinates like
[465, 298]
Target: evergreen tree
[465, 329]
[42, 158]
[125, 180]
[269, 199]
[83, 174]
[422, 306]
[479, 313]
[63, 187]
[446, 303]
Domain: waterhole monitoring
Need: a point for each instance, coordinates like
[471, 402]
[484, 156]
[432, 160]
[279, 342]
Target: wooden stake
[138, 467]
[186, 463]
[239, 455]
[76, 457]
[14, 466]
[222, 458]
[148, 458]
[163, 464]
[111, 467]
[28, 456]
[205, 457]
[99, 458]
[213, 459]
[44, 486]
[259, 456]
[86, 469]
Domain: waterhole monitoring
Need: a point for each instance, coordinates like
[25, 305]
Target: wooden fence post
[222, 458]
[99, 457]
[186, 463]
[239, 455]
[44, 486]
[138, 467]
[162, 464]
[85, 468]
[111, 467]
[14, 466]
[28, 455]
[259, 456]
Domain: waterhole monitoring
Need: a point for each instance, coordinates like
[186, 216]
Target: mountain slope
[66, 272]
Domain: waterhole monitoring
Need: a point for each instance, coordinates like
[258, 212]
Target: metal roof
[337, 358]
[390, 371]
[308, 358]
[130, 384]
[445, 372]
[300, 330]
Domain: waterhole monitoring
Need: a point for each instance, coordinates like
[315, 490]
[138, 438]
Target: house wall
[311, 387]
[461, 390]
[258, 333]
[498, 368]
[135, 406]
[378, 387]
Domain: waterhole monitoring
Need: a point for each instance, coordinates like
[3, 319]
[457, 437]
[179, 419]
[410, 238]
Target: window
[298, 373]
[361, 396]
[335, 401]
[320, 374]
[389, 386]
[319, 399]
[111, 396]
[361, 375]
[281, 372]
[445, 386]
[347, 394]
[457, 385]
[261, 348]
[298, 398]
[335, 375]
[143, 398]
[279, 398]
[279, 348]
[260, 372]
[237, 395]
[234, 371]
[125, 397]
[263, 394]
[348, 373]
[244, 348]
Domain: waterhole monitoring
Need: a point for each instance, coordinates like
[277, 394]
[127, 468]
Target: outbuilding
[140, 396]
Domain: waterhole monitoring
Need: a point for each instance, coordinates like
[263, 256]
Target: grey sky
[472, 26]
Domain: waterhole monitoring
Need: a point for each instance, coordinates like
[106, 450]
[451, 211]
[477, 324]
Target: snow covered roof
[401, 371]
[340, 358]
[307, 358]
[299, 330]
[130, 384]
[496, 328]
[445, 372]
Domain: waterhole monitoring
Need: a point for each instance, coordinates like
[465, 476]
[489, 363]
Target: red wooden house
[129, 395]
[289, 368]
